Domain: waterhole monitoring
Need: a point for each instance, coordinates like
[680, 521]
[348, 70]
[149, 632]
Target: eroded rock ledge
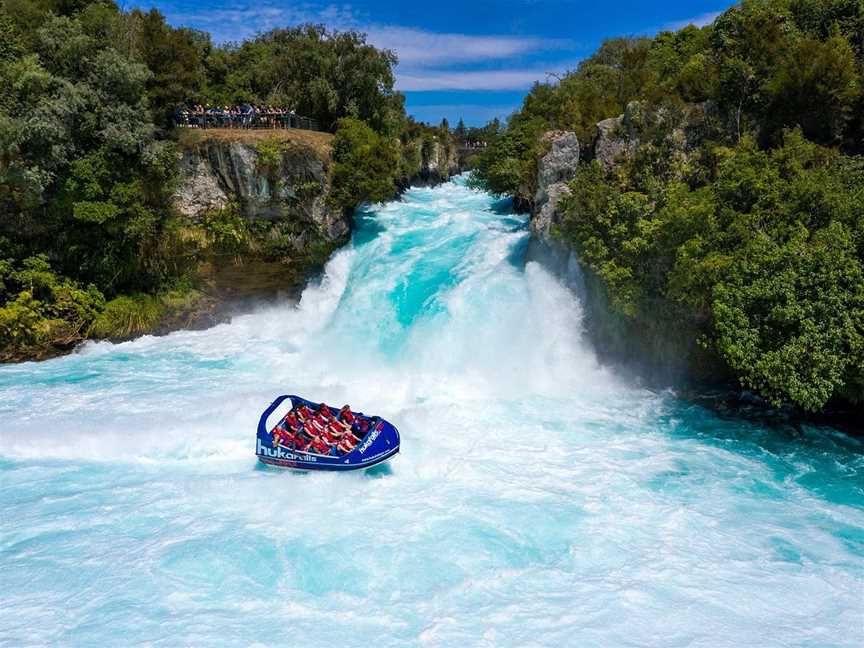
[274, 181]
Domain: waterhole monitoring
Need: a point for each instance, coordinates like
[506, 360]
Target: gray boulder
[554, 170]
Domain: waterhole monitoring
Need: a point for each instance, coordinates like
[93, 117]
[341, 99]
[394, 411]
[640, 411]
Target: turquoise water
[539, 499]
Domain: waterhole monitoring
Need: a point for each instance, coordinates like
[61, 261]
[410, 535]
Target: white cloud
[247, 20]
[700, 21]
[427, 79]
[416, 47]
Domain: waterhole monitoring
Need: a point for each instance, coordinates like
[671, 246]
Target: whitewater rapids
[538, 499]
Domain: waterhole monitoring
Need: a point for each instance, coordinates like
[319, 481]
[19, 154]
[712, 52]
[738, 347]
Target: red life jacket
[348, 416]
[320, 446]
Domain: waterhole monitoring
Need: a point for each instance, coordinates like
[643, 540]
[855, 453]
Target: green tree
[364, 165]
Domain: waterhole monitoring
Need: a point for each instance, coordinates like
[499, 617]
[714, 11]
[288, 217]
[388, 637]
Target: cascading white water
[537, 500]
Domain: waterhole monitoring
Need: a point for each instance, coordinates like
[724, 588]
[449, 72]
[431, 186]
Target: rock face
[554, 170]
[677, 132]
[681, 131]
[288, 183]
[438, 162]
[614, 142]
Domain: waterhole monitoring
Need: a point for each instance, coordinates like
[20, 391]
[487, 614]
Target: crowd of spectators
[242, 116]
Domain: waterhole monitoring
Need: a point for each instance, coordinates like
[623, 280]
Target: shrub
[128, 316]
[365, 164]
[227, 230]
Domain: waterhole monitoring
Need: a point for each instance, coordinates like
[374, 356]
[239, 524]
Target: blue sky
[473, 59]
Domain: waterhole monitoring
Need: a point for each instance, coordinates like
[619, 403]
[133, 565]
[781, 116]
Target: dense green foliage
[767, 65]
[768, 257]
[364, 164]
[41, 306]
[88, 161]
[369, 166]
[738, 212]
[319, 74]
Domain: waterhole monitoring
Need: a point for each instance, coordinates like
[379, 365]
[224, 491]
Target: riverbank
[255, 214]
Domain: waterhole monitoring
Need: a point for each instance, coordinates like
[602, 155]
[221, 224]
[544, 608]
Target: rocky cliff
[259, 204]
[440, 161]
[286, 182]
[678, 132]
[277, 181]
[554, 170]
[428, 161]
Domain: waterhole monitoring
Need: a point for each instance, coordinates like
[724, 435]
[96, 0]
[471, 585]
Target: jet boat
[378, 441]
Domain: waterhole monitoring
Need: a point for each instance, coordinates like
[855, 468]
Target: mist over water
[538, 499]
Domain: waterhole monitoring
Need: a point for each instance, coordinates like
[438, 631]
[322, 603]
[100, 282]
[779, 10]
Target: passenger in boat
[291, 422]
[351, 433]
[334, 432]
[301, 442]
[284, 436]
[292, 442]
[346, 443]
[303, 413]
[315, 424]
[330, 435]
[319, 445]
[325, 411]
[347, 416]
[279, 435]
[349, 438]
[337, 438]
[302, 438]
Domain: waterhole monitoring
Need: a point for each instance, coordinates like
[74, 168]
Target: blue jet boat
[377, 444]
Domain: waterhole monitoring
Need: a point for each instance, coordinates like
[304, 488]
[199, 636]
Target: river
[539, 499]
